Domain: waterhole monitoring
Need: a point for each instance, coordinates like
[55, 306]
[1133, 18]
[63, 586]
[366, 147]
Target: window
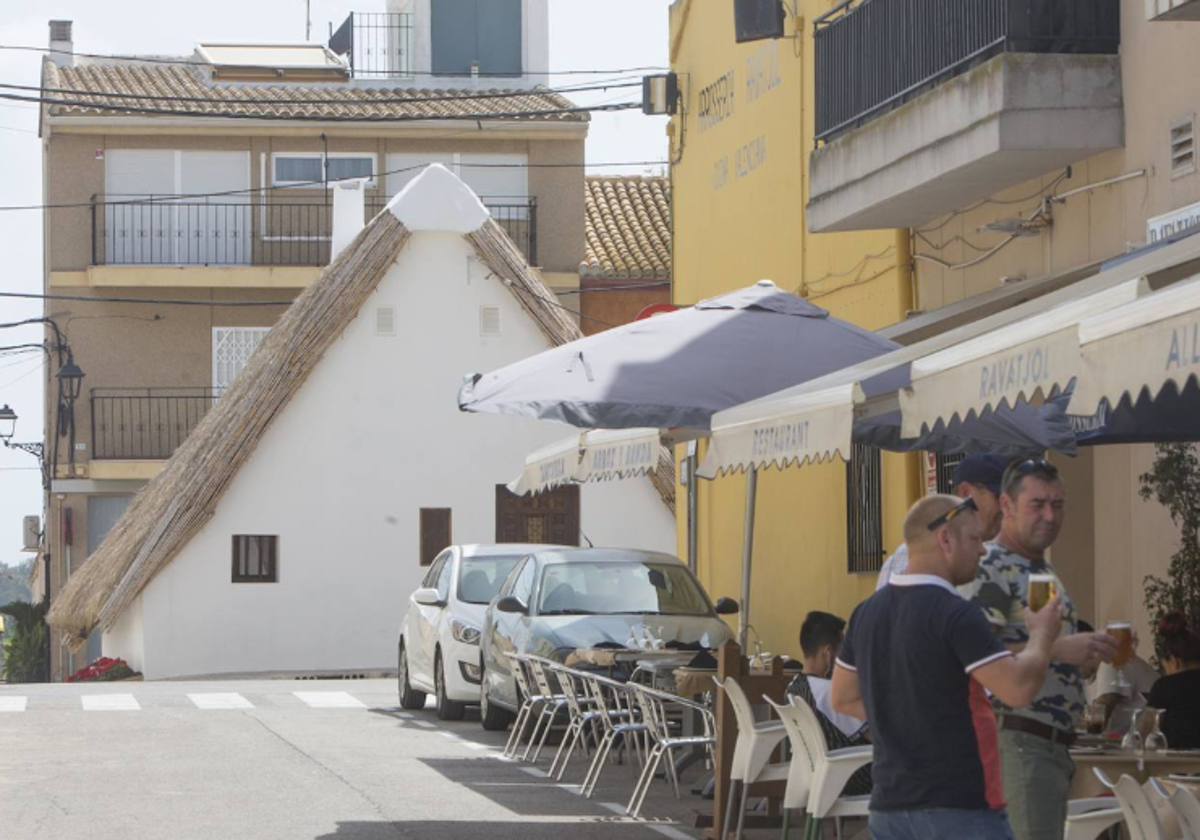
[945, 471]
[1183, 146]
[307, 169]
[255, 558]
[522, 587]
[232, 348]
[435, 569]
[435, 533]
[443, 580]
[482, 33]
[864, 509]
[621, 588]
[480, 578]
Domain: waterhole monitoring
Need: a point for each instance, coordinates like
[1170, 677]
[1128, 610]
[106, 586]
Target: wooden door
[548, 517]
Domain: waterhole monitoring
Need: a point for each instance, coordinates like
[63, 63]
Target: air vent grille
[385, 320]
[489, 320]
[1183, 146]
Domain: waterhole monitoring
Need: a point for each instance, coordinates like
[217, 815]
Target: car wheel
[493, 718]
[410, 698]
[447, 709]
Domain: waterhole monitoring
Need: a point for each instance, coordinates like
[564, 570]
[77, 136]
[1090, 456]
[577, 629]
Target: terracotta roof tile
[338, 100]
[628, 227]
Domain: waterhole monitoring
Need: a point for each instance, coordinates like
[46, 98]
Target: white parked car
[438, 651]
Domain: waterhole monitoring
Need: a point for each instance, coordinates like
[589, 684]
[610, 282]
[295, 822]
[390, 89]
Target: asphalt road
[291, 759]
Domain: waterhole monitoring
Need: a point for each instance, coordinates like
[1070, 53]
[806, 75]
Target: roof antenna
[307, 20]
[585, 538]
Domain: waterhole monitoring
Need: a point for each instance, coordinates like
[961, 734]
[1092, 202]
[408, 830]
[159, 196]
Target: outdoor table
[1116, 762]
[609, 657]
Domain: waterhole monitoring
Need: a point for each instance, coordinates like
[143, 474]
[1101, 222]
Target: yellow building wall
[739, 176]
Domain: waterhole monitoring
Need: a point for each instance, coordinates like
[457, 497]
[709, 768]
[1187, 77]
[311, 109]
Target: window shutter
[486, 32]
[435, 533]
[864, 509]
[1183, 146]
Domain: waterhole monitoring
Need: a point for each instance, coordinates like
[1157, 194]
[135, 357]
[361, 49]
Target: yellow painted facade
[188, 277]
[739, 151]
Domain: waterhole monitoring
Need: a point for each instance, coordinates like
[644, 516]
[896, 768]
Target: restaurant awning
[1038, 355]
[1139, 349]
[595, 455]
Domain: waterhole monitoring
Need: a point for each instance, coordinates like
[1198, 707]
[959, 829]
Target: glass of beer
[1122, 631]
[1041, 591]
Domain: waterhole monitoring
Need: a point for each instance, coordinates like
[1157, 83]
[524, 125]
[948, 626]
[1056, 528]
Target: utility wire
[655, 285]
[374, 100]
[164, 302]
[166, 199]
[171, 112]
[189, 62]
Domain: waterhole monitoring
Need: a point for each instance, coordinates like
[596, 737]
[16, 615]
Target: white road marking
[109, 703]
[475, 746]
[220, 700]
[425, 724]
[405, 715]
[450, 735]
[329, 700]
[533, 771]
[13, 704]
[667, 831]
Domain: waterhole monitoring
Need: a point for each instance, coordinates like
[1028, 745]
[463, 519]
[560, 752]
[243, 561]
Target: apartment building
[1043, 145]
[191, 205]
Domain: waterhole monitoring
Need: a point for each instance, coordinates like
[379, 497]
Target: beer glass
[1122, 631]
[1041, 591]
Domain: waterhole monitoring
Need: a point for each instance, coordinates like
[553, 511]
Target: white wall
[125, 640]
[340, 476]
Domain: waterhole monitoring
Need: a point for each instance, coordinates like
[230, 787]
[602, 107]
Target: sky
[584, 34]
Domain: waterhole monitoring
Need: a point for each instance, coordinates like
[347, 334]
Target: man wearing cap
[1035, 738]
[977, 477]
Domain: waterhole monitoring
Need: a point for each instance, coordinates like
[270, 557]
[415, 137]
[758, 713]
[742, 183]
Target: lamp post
[8, 427]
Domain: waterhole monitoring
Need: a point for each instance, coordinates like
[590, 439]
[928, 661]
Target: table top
[1116, 755]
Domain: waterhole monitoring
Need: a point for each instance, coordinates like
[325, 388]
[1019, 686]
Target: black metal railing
[145, 423]
[377, 45]
[864, 509]
[874, 55]
[278, 228]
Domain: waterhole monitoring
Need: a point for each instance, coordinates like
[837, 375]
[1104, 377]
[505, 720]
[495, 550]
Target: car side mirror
[427, 596]
[727, 606]
[511, 604]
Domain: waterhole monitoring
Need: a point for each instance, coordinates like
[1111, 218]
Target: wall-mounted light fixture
[660, 94]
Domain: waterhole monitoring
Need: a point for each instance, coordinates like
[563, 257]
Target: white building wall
[340, 476]
[125, 640]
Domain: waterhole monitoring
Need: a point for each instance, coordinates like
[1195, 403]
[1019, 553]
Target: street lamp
[70, 377]
[8, 423]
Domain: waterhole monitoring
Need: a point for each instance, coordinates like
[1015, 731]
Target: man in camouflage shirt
[1034, 740]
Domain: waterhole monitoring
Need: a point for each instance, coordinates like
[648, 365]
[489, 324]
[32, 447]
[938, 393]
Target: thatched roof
[176, 504]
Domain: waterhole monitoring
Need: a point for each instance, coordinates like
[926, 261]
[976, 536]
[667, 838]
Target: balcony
[376, 45]
[277, 230]
[144, 424]
[1173, 9]
[923, 106]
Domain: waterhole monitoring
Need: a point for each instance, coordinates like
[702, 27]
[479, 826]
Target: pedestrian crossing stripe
[210, 701]
[109, 703]
[329, 700]
[13, 704]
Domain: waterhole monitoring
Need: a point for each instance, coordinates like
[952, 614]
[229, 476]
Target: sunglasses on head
[965, 504]
[1030, 466]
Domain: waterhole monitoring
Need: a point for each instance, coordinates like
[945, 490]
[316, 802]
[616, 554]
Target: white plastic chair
[756, 740]
[1141, 820]
[818, 774]
[1186, 808]
[1087, 818]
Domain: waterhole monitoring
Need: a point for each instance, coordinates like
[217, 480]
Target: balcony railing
[276, 229]
[377, 45]
[874, 55]
[133, 424]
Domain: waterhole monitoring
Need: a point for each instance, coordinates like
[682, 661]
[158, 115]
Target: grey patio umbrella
[676, 370]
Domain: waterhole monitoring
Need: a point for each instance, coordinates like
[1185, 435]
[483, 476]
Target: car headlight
[463, 632]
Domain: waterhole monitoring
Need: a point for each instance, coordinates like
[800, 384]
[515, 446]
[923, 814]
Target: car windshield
[480, 578]
[620, 588]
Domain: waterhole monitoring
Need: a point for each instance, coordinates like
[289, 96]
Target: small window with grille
[255, 558]
[864, 509]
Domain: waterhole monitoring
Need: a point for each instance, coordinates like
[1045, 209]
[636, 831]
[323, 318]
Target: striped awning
[594, 455]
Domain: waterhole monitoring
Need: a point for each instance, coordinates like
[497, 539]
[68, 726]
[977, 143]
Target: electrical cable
[195, 63]
[153, 301]
[553, 303]
[166, 199]
[654, 285]
[327, 118]
[454, 96]
[1003, 202]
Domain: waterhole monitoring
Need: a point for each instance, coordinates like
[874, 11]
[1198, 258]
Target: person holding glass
[1016, 575]
[1177, 695]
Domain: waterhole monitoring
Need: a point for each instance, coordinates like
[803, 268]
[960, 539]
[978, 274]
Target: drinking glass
[1094, 718]
[1041, 591]
[1122, 631]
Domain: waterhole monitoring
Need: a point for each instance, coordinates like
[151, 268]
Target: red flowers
[103, 670]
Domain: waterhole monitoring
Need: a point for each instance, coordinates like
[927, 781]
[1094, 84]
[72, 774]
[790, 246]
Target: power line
[154, 301]
[498, 115]
[166, 199]
[455, 96]
[188, 62]
[654, 285]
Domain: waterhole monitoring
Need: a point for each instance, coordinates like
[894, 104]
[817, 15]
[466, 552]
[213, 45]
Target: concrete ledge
[1011, 119]
[188, 276]
[124, 470]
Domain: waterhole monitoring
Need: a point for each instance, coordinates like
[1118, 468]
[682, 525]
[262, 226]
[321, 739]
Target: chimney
[348, 209]
[61, 45]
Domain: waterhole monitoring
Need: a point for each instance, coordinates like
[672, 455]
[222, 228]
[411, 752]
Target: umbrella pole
[747, 556]
[693, 528]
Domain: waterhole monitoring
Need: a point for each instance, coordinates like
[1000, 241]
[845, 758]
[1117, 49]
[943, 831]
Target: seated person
[1178, 693]
[821, 636]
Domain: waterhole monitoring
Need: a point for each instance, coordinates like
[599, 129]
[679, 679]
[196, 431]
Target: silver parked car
[558, 600]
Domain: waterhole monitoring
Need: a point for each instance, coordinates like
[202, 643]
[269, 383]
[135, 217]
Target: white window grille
[232, 348]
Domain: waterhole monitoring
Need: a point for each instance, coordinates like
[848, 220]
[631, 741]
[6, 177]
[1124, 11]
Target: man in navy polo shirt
[915, 664]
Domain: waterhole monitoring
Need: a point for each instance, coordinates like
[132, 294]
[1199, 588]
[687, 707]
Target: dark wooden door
[549, 517]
